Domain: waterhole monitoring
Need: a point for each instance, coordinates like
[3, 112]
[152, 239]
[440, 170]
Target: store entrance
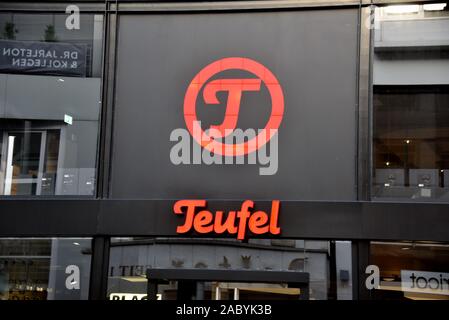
[198, 284]
[29, 159]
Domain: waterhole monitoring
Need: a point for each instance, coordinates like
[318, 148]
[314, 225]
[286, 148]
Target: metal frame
[363, 136]
[364, 106]
[107, 113]
[389, 2]
[252, 5]
[52, 7]
[229, 275]
[98, 284]
[360, 260]
[297, 279]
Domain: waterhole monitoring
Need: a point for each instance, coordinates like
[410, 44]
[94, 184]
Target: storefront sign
[49, 58]
[224, 109]
[425, 282]
[202, 221]
[131, 296]
[225, 143]
[235, 88]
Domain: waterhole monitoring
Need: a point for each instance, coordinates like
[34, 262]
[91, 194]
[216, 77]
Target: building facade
[225, 150]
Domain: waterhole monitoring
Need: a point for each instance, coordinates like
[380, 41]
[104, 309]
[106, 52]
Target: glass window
[50, 98]
[44, 269]
[411, 103]
[131, 258]
[411, 270]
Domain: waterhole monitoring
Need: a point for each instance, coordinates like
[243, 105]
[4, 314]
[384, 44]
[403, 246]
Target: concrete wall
[411, 52]
[343, 254]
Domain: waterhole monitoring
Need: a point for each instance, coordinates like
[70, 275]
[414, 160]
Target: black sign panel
[295, 71]
[49, 58]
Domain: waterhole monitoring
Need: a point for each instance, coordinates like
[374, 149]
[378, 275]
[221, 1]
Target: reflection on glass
[131, 258]
[23, 162]
[417, 271]
[44, 269]
[410, 103]
[50, 81]
[31, 162]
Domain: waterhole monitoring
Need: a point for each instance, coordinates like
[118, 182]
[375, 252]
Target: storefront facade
[224, 150]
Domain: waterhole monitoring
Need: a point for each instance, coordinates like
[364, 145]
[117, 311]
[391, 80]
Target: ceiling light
[68, 119]
[135, 279]
[389, 279]
[434, 6]
[402, 9]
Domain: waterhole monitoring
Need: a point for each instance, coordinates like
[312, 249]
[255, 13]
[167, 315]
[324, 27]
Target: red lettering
[274, 229]
[191, 205]
[204, 221]
[229, 225]
[235, 87]
[257, 223]
[243, 215]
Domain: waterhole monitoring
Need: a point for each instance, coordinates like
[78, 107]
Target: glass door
[29, 161]
[24, 162]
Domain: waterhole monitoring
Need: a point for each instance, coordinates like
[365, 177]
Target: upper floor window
[411, 103]
[50, 97]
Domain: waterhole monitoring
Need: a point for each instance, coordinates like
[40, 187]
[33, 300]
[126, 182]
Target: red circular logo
[235, 88]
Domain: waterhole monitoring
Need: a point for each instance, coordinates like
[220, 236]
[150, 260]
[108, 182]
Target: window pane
[44, 269]
[50, 98]
[131, 258]
[418, 271]
[411, 103]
